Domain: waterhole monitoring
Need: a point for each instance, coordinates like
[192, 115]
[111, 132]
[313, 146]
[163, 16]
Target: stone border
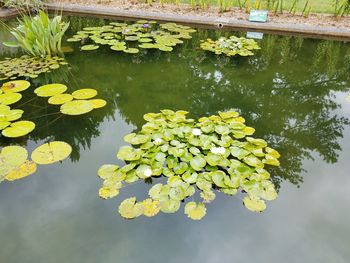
[206, 21]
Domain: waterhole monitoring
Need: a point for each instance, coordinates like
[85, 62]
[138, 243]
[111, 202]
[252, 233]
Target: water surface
[293, 92]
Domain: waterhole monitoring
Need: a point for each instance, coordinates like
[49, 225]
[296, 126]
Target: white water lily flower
[157, 141]
[147, 173]
[196, 131]
[218, 150]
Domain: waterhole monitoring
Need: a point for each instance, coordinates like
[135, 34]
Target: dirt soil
[234, 13]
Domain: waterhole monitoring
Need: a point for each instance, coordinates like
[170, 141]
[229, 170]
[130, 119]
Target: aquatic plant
[215, 153]
[9, 124]
[30, 67]
[14, 163]
[129, 38]
[39, 35]
[231, 46]
[77, 103]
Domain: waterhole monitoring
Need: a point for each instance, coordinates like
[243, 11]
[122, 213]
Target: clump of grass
[39, 35]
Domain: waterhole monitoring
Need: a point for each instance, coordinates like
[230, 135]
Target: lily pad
[89, 47]
[130, 209]
[60, 99]
[50, 90]
[254, 204]
[10, 98]
[77, 107]
[51, 152]
[22, 171]
[11, 157]
[18, 129]
[98, 103]
[150, 207]
[83, 94]
[15, 86]
[195, 211]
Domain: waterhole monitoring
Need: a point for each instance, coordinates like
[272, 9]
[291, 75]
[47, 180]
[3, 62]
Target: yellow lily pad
[130, 209]
[4, 124]
[18, 129]
[51, 152]
[15, 86]
[83, 94]
[50, 90]
[150, 207]
[24, 170]
[108, 192]
[98, 103]
[9, 98]
[77, 107]
[60, 99]
[254, 204]
[10, 158]
[14, 115]
[195, 211]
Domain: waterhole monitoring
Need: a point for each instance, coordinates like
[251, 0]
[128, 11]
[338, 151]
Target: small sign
[255, 35]
[258, 16]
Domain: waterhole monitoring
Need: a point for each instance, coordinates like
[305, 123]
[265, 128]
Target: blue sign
[258, 16]
[255, 35]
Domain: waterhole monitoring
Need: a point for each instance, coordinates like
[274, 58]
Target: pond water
[293, 92]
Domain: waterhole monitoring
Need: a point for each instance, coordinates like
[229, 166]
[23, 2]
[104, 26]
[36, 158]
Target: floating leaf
[15, 86]
[212, 153]
[51, 152]
[24, 170]
[98, 103]
[89, 47]
[77, 107]
[11, 157]
[195, 211]
[50, 90]
[83, 94]
[150, 207]
[254, 204]
[130, 209]
[10, 98]
[18, 129]
[60, 99]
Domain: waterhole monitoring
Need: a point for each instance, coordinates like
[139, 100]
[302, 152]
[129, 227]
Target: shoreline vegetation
[286, 16]
[235, 13]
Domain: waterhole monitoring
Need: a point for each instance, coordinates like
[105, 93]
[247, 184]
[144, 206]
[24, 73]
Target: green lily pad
[83, 94]
[195, 211]
[15, 86]
[60, 99]
[254, 204]
[98, 103]
[130, 209]
[10, 98]
[50, 90]
[21, 171]
[77, 107]
[51, 152]
[11, 157]
[18, 129]
[89, 47]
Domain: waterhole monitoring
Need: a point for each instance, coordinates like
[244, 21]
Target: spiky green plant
[39, 35]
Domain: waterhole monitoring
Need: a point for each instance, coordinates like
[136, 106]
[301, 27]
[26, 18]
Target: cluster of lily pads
[26, 66]
[231, 46]
[129, 38]
[15, 165]
[77, 103]
[9, 124]
[215, 153]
